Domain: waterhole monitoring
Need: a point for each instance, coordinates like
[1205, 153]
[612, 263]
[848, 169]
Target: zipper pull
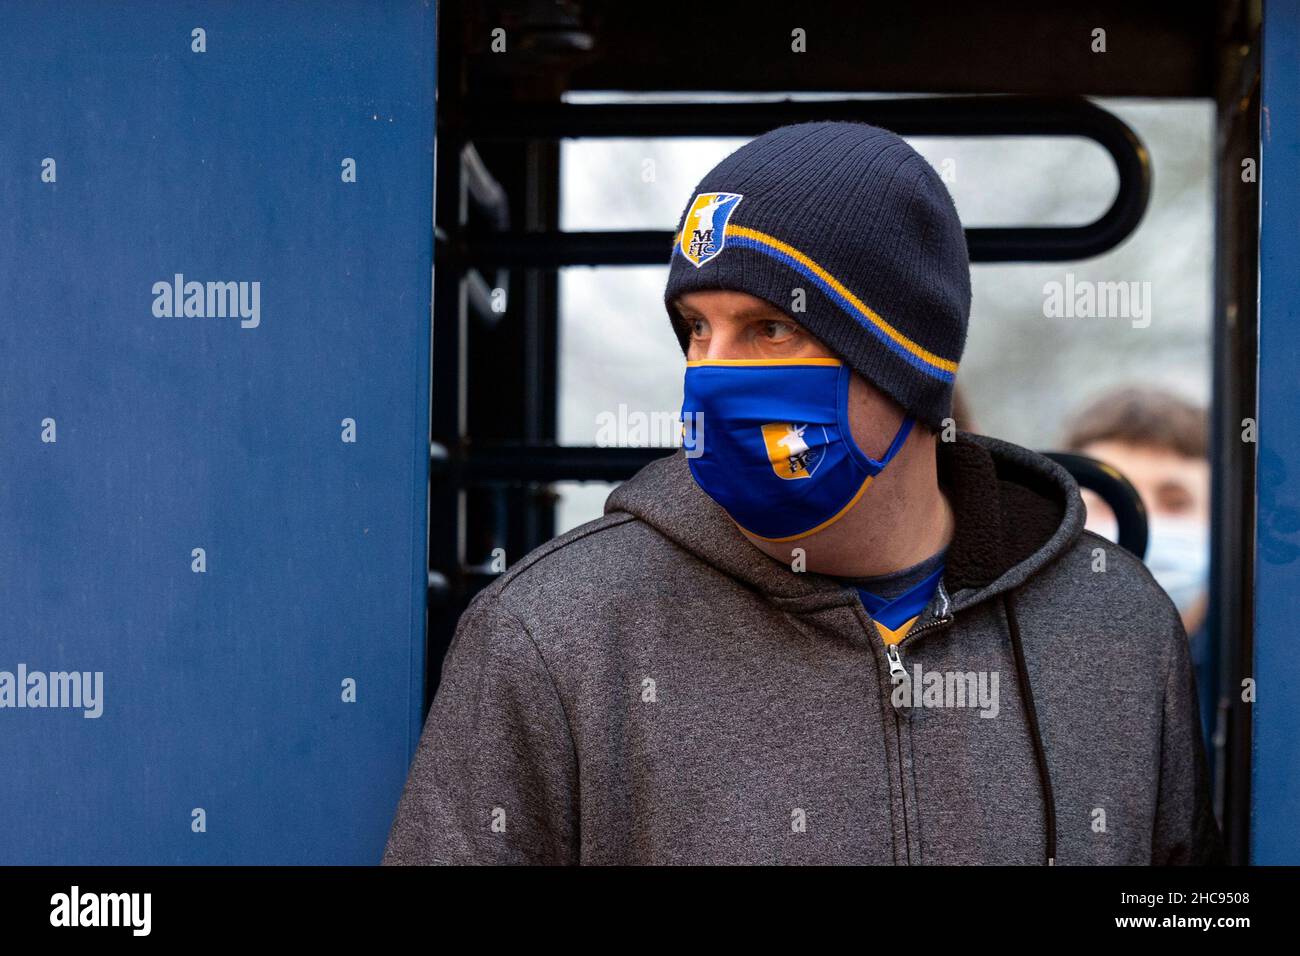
[896, 669]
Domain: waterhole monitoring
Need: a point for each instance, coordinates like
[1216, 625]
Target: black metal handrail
[1114, 489]
[911, 116]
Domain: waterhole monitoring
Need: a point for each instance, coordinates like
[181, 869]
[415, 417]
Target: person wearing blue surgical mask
[889, 513]
[1159, 443]
[832, 627]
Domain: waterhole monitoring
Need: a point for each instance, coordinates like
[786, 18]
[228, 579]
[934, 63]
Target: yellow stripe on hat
[695, 363]
[925, 355]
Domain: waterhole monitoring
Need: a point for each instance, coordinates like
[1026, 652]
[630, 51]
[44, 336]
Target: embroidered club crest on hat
[704, 231]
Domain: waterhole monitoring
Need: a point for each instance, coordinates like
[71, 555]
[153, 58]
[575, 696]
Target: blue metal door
[1275, 773]
[215, 255]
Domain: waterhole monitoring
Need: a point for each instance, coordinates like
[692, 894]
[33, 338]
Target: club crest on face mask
[780, 458]
[792, 458]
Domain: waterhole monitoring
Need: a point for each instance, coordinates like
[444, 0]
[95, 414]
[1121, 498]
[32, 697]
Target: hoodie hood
[1015, 512]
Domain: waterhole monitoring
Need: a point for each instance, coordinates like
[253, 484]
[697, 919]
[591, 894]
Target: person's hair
[1141, 416]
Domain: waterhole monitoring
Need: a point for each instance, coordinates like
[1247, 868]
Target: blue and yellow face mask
[769, 441]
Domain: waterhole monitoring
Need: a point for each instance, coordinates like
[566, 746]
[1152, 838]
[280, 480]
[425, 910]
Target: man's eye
[698, 328]
[776, 330]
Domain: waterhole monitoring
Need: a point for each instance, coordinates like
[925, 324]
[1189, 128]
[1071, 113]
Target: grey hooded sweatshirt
[651, 688]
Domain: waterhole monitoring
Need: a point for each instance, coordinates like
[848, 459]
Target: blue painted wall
[1275, 774]
[222, 690]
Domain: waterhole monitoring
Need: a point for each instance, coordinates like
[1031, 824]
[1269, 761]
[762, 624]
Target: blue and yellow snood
[769, 441]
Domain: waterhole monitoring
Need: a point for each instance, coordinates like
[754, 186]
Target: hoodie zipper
[894, 658]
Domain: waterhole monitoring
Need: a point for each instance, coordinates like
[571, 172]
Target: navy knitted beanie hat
[850, 223]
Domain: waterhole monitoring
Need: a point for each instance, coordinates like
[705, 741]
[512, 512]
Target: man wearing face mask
[818, 633]
[1159, 442]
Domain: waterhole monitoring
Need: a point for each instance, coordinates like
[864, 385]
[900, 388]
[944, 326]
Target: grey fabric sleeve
[494, 779]
[1185, 831]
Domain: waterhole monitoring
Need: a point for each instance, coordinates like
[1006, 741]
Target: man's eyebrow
[764, 311]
